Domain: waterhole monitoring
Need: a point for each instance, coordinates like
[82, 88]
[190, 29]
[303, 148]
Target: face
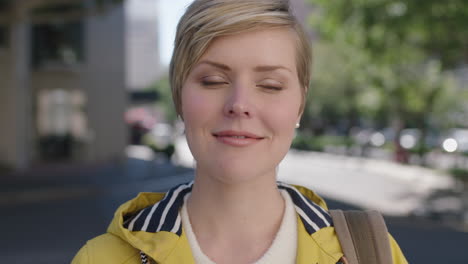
[240, 105]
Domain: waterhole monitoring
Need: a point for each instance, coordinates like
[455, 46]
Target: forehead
[273, 46]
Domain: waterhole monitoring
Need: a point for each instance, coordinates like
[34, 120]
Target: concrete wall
[104, 84]
[6, 114]
[15, 98]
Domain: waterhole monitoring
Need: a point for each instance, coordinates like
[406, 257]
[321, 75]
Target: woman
[239, 75]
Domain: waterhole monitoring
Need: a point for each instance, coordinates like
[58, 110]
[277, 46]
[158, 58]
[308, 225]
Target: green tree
[163, 89]
[338, 93]
[409, 48]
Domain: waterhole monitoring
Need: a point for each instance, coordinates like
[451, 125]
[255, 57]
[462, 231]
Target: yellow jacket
[151, 223]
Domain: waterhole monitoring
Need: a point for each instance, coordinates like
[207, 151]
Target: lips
[237, 138]
[236, 134]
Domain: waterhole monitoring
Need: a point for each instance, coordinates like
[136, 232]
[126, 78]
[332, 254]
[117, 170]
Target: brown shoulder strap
[344, 236]
[363, 236]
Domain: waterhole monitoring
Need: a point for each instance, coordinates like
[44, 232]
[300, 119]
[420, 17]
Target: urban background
[87, 122]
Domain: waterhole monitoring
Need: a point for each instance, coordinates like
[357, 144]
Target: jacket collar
[313, 216]
[164, 215]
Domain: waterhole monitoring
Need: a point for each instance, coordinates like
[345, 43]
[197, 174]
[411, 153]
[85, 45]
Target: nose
[237, 104]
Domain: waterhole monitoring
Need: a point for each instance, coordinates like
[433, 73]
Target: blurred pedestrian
[239, 75]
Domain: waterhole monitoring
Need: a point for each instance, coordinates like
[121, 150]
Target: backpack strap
[363, 236]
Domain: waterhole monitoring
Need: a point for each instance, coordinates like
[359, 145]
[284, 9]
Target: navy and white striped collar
[164, 215]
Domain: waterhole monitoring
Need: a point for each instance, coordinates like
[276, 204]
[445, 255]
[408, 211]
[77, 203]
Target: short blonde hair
[205, 20]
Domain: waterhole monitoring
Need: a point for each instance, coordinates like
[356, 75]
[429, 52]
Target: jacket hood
[151, 222]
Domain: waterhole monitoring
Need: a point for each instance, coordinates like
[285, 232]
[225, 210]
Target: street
[391, 188]
[52, 228]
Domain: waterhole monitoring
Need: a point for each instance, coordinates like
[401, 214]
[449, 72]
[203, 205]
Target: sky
[169, 12]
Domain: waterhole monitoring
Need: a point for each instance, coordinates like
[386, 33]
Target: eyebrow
[216, 64]
[267, 68]
[260, 68]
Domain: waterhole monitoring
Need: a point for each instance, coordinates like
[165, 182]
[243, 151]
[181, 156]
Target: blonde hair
[205, 20]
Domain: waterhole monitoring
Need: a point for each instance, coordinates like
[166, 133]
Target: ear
[303, 104]
[299, 116]
[298, 121]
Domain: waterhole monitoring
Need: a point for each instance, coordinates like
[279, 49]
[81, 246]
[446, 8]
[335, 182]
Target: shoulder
[305, 192]
[397, 254]
[107, 248]
[327, 242]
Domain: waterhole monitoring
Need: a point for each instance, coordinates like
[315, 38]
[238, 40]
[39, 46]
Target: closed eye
[211, 83]
[271, 87]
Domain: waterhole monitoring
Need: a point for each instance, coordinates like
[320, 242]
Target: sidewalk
[391, 188]
[78, 180]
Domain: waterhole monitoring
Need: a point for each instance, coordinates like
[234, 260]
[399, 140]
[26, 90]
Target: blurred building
[142, 58]
[302, 10]
[65, 68]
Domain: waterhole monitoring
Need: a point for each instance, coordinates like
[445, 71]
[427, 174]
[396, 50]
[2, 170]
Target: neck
[235, 209]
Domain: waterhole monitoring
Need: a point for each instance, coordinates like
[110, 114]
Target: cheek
[196, 108]
[286, 114]
[285, 123]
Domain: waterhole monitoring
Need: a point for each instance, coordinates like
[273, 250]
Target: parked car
[160, 139]
[456, 140]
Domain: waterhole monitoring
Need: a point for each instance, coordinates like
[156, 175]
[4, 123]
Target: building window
[59, 44]
[61, 124]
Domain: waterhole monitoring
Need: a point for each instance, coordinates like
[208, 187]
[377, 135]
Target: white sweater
[282, 250]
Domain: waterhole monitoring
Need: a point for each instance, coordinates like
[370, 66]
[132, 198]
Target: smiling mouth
[236, 134]
[237, 138]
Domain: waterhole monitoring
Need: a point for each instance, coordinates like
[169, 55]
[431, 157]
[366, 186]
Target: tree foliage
[165, 103]
[389, 60]
[390, 28]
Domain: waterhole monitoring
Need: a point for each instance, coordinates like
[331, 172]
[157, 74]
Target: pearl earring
[298, 125]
